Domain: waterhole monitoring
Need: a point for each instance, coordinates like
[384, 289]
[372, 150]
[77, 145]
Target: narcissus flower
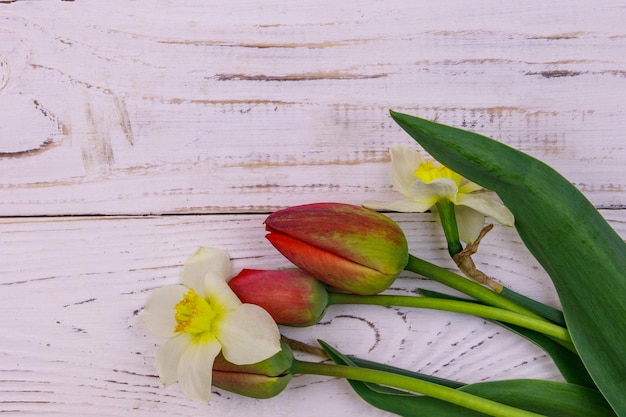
[423, 184]
[203, 317]
[348, 247]
[264, 379]
[291, 296]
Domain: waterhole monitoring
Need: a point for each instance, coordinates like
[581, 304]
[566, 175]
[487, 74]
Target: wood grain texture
[119, 108]
[73, 290]
[133, 132]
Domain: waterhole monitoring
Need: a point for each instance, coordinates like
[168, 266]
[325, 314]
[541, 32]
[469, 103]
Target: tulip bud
[264, 379]
[291, 296]
[348, 247]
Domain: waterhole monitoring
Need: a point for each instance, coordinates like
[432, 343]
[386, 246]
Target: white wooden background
[133, 132]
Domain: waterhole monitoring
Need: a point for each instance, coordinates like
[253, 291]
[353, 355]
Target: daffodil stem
[447, 216]
[465, 263]
[407, 383]
[465, 307]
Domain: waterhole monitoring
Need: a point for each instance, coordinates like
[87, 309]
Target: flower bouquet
[224, 332]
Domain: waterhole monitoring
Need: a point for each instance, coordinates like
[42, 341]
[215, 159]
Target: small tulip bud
[264, 379]
[348, 247]
[290, 296]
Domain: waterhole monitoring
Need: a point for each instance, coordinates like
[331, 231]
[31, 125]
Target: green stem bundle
[466, 307]
[464, 285]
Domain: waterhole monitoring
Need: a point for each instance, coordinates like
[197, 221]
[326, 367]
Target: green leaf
[569, 364]
[396, 401]
[583, 255]
[553, 399]
[543, 310]
[387, 368]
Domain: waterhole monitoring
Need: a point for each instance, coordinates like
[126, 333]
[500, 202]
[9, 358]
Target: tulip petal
[290, 296]
[486, 205]
[353, 233]
[202, 262]
[404, 162]
[401, 206]
[332, 269]
[248, 335]
[195, 368]
[469, 222]
[219, 294]
[158, 314]
[168, 356]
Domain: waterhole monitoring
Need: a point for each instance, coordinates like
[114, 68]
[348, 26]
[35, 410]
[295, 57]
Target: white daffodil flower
[424, 184]
[202, 317]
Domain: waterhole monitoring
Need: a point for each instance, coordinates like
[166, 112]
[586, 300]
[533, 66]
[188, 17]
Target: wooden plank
[73, 288]
[120, 108]
[243, 107]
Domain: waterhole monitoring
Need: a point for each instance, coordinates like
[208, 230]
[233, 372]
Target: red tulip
[290, 296]
[348, 247]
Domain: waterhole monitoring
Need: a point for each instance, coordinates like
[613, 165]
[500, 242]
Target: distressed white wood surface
[220, 112]
[72, 343]
[131, 107]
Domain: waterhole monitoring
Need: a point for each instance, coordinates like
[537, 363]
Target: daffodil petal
[469, 222]
[402, 206]
[469, 187]
[219, 294]
[195, 368]
[168, 356]
[202, 262]
[404, 162]
[158, 314]
[434, 191]
[486, 205]
[248, 335]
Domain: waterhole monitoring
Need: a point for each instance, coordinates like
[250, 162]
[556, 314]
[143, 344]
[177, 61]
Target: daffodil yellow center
[428, 172]
[194, 314]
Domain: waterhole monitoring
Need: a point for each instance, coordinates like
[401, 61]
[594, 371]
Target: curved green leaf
[584, 256]
[552, 399]
[545, 311]
[569, 364]
[388, 368]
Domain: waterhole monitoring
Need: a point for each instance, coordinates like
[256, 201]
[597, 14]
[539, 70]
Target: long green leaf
[584, 256]
[543, 310]
[399, 402]
[569, 364]
[552, 399]
[362, 363]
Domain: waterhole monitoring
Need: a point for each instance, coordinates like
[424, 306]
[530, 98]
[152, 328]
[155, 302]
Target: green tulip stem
[546, 311]
[466, 307]
[473, 289]
[447, 216]
[407, 383]
[466, 286]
